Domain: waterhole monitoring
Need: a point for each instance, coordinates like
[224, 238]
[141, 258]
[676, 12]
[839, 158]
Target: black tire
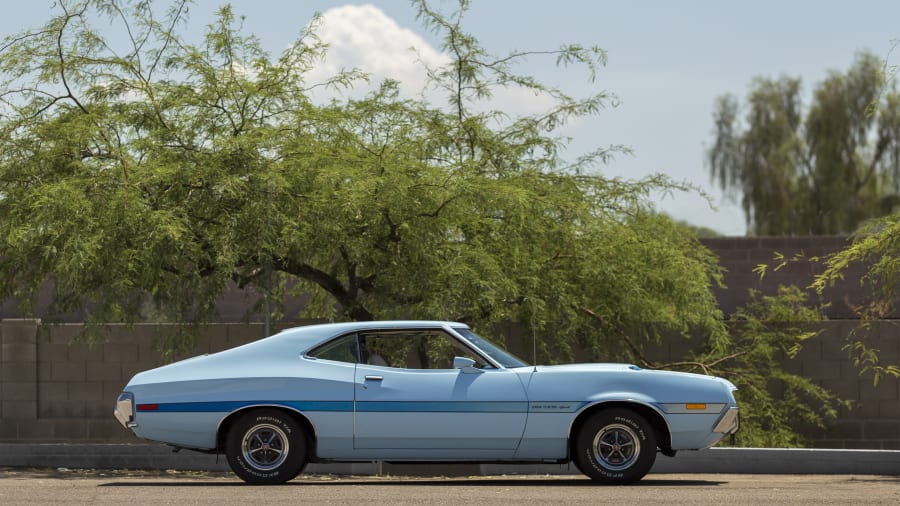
[266, 447]
[615, 446]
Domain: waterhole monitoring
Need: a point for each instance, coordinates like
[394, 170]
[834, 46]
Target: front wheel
[266, 447]
[615, 446]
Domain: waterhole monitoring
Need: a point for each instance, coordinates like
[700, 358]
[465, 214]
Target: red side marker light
[148, 407]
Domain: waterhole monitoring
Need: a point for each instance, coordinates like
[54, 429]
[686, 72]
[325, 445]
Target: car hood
[588, 381]
[629, 368]
[588, 367]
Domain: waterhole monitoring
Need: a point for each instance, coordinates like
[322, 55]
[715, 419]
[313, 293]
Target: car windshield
[501, 356]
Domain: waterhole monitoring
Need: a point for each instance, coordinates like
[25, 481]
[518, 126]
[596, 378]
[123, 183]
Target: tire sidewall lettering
[587, 460]
[274, 421]
[252, 470]
[633, 424]
[600, 469]
[295, 459]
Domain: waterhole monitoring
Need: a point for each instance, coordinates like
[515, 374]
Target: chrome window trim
[448, 331]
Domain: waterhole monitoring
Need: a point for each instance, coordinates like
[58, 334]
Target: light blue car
[419, 391]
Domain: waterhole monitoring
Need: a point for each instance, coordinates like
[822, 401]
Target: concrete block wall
[739, 256]
[873, 420]
[52, 390]
[18, 375]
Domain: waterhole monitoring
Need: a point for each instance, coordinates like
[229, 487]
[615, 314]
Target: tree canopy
[160, 171]
[821, 168]
[172, 169]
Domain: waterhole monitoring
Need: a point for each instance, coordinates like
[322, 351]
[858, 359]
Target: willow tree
[821, 168]
[161, 172]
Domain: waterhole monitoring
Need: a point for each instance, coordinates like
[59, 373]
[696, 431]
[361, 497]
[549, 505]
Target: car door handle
[374, 378]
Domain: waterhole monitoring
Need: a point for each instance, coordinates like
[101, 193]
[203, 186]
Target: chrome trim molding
[630, 400]
[729, 423]
[267, 405]
[124, 410]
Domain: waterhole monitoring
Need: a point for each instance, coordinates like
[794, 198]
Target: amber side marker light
[695, 406]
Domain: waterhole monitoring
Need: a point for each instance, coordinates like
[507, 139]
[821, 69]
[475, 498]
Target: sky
[668, 61]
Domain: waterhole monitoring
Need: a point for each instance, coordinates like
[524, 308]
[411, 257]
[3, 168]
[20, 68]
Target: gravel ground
[79, 486]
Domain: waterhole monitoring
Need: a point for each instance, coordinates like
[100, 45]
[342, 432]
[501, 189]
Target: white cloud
[364, 37]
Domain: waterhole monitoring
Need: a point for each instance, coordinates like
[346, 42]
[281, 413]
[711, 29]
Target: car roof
[287, 343]
[326, 328]
[322, 331]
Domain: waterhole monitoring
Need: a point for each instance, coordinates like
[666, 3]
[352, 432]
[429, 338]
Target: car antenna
[534, 348]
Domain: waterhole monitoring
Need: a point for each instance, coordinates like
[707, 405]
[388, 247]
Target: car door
[409, 396]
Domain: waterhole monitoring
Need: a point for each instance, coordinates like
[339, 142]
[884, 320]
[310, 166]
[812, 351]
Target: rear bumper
[124, 410]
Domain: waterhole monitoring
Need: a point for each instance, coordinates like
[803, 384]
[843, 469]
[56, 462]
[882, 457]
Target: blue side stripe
[376, 406]
[442, 407]
[226, 406]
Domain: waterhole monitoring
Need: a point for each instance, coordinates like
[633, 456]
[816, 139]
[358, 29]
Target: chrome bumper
[730, 422]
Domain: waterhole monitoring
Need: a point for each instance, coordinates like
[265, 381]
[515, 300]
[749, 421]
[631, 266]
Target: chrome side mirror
[466, 364]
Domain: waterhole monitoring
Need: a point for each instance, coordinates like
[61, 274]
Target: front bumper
[730, 422]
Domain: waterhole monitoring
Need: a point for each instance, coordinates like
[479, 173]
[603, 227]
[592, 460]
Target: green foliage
[820, 169]
[156, 174]
[875, 246]
[775, 404]
[145, 179]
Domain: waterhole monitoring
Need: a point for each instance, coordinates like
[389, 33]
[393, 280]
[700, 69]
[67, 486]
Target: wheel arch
[226, 423]
[648, 412]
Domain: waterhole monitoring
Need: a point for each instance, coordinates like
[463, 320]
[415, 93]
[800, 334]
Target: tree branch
[636, 352]
[437, 211]
[62, 61]
[327, 282]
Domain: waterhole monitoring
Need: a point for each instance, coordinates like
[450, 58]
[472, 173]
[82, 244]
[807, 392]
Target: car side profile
[419, 391]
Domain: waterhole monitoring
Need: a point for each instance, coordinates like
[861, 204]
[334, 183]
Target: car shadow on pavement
[418, 482]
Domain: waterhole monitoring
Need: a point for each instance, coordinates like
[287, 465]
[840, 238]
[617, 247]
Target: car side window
[413, 349]
[342, 349]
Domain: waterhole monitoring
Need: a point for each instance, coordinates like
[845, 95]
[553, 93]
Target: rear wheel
[266, 447]
[615, 446]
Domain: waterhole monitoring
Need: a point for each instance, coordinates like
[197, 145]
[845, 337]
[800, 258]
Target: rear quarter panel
[192, 398]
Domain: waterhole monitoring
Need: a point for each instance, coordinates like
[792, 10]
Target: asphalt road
[18, 486]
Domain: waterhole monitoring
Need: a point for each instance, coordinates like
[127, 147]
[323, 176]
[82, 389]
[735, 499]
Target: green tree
[161, 171]
[169, 169]
[821, 169]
